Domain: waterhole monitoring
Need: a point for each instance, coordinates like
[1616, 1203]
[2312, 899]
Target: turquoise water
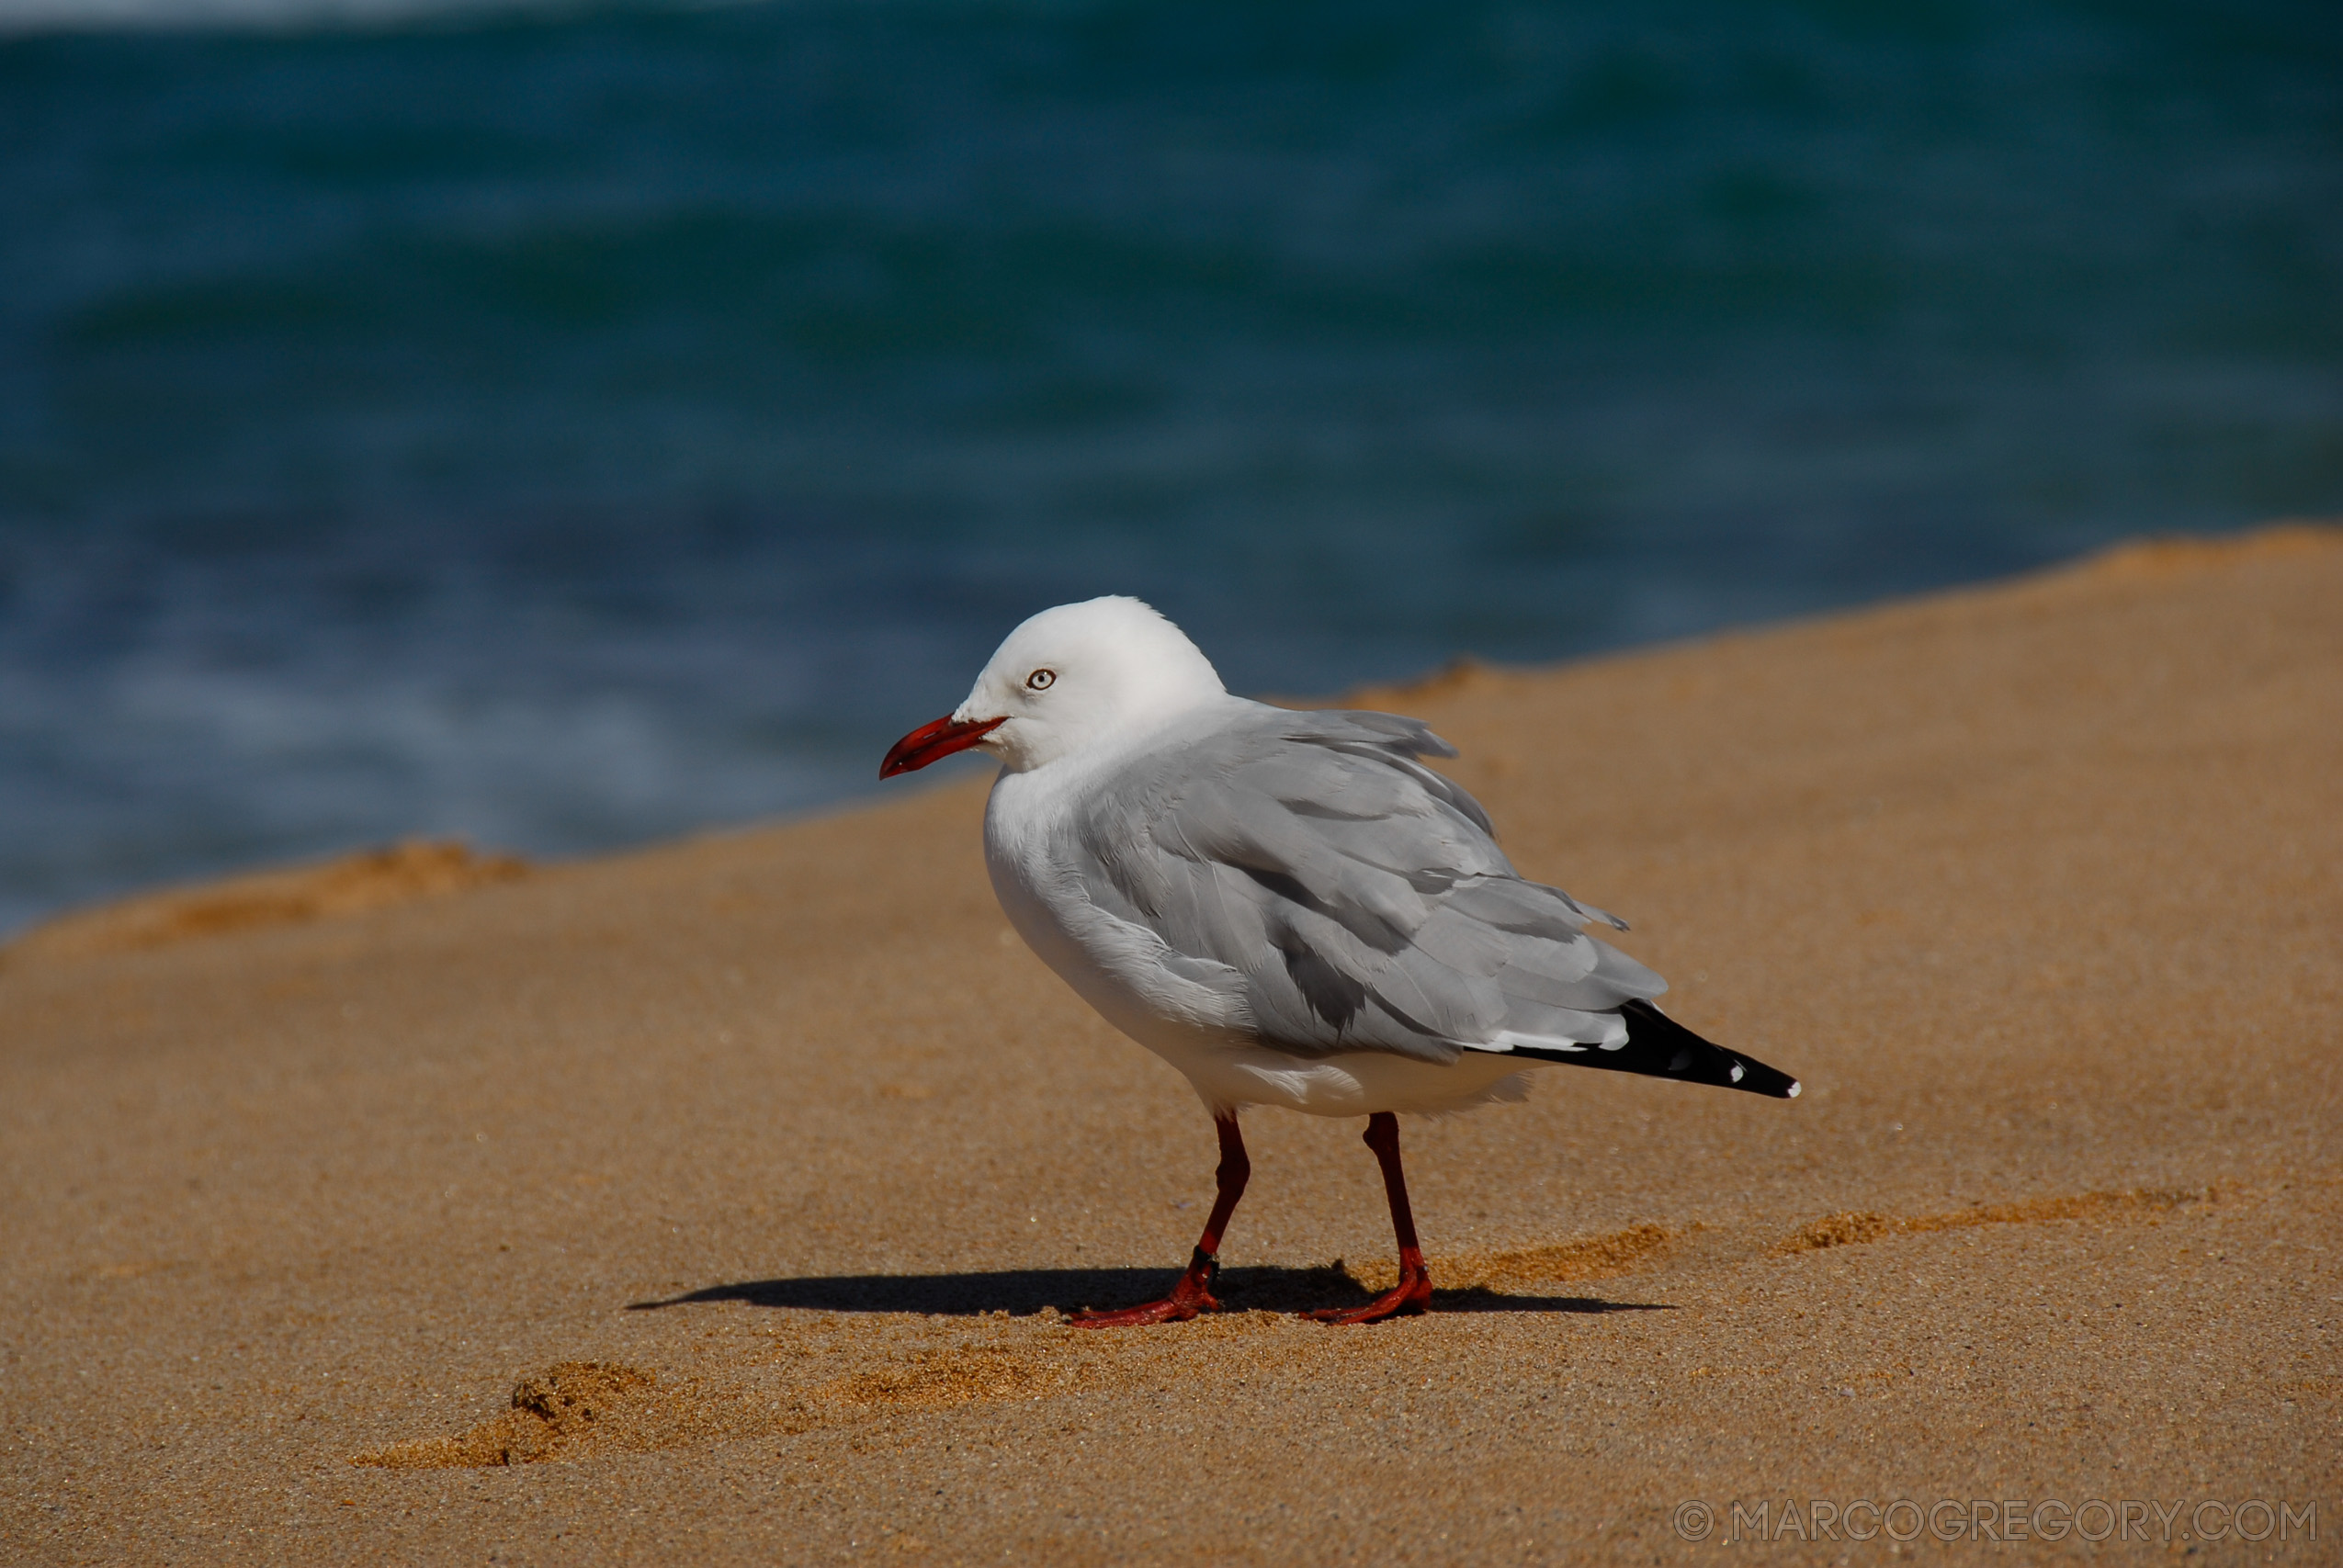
[568, 427]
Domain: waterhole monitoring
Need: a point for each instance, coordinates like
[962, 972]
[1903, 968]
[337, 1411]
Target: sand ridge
[1855, 1229]
[349, 884]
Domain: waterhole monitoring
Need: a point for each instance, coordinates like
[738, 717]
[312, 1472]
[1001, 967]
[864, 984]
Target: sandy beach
[718, 1203]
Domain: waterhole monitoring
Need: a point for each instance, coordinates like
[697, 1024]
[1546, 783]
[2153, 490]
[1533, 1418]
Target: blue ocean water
[567, 426]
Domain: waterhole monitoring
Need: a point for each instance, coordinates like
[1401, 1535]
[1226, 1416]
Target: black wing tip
[1661, 1047]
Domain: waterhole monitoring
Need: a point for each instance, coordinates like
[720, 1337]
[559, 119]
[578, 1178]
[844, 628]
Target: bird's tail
[1657, 1047]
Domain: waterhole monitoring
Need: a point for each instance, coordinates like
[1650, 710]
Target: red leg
[1413, 1292]
[1193, 1294]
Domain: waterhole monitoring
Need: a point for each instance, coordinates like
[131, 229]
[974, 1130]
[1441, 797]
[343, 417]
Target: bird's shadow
[1022, 1292]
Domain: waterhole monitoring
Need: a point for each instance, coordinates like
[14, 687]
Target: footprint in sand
[573, 1404]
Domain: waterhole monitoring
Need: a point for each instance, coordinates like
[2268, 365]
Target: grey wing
[1346, 896]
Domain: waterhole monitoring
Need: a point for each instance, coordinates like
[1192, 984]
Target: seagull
[1289, 908]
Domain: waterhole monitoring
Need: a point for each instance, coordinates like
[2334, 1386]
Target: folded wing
[1348, 896]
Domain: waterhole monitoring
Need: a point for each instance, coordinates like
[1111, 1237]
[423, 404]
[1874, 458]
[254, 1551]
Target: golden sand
[722, 1203]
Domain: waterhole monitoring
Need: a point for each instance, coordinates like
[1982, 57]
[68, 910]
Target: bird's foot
[1412, 1294]
[1192, 1296]
[1177, 1307]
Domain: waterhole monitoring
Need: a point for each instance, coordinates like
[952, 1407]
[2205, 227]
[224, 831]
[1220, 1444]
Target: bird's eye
[1042, 680]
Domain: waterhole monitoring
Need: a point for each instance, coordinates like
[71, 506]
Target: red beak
[930, 741]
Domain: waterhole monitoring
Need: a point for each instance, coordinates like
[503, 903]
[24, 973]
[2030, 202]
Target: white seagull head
[1071, 679]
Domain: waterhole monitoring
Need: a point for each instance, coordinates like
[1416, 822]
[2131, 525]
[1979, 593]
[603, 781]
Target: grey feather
[1352, 898]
